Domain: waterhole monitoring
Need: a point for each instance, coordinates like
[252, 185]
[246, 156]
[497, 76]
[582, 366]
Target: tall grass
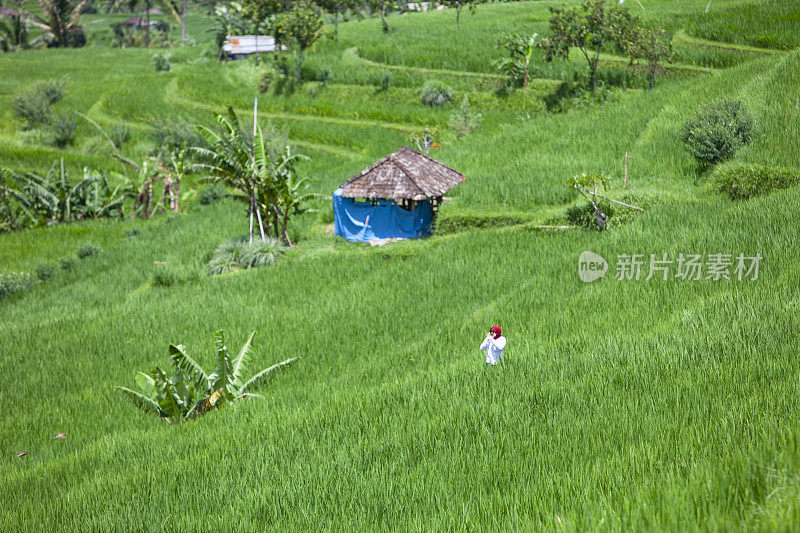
[660, 405]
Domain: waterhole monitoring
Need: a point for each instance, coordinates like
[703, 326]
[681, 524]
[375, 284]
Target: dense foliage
[191, 391]
[717, 130]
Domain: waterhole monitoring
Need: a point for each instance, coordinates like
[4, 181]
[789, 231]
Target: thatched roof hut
[401, 190]
[403, 175]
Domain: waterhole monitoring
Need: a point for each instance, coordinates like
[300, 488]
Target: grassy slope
[643, 405]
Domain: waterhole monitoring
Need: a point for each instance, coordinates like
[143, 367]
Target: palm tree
[191, 391]
[14, 29]
[60, 18]
[230, 159]
[265, 178]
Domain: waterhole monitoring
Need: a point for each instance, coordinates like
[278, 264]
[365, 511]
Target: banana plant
[191, 391]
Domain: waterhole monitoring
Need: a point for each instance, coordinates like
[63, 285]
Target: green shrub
[325, 76]
[226, 257]
[436, 93]
[169, 275]
[191, 391]
[266, 80]
[313, 88]
[45, 272]
[583, 214]
[261, 253]
[717, 130]
[132, 233]
[52, 91]
[61, 130]
[33, 108]
[171, 135]
[383, 81]
[162, 61]
[741, 181]
[238, 254]
[211, 194]
[89, 249]
[67, 263]
[15, 282]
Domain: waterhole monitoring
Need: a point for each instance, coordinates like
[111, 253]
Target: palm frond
[240, 362]
[184, 362]
[221, 379]
[141, 401]
[261, 378]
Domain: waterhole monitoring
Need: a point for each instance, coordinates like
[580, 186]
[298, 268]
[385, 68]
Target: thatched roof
[404, 174]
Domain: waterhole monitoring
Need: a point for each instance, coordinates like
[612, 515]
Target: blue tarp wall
[387, 220]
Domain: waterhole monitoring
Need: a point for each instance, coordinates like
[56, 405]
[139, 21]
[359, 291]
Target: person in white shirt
[494, 344]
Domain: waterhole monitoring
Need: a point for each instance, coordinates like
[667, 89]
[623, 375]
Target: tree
[588, 27]
[264, 176]
[651, 45]
[458, 5]
[229, 158]
[191, 391]
[516, 65]
[261, 11]
[61, 18]
[382, 7]
[14, 29]
[230, 20]
[340, 7]
[298, 29]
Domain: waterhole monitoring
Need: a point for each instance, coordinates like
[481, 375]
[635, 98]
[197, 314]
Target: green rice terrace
[188, 343]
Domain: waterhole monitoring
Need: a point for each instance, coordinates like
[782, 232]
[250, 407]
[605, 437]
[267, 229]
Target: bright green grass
[624, 404]
[646, 405]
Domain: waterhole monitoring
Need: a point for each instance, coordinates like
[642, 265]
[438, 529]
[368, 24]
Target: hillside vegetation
[623, 404]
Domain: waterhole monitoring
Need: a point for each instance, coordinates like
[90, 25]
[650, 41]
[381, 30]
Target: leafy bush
[436, 93]
[717, 130]
[464, 121]
[61, 130]
[211, 194]
[261, 253]
[191, 391]
[313, 88]
[583, 214]
[15, 282]
[383, 81]
[266, 80]
[169, 275]
[89, 249]
[226, 257]
[175, 134]
[53, 91]
[237, 254]
[45, 272]
[162, 61]
[741, 181]
[33, 108]
[67, 263]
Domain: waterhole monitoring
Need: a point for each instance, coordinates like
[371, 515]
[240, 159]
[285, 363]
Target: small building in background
[395, 198]
[240, 46]
[138, 23]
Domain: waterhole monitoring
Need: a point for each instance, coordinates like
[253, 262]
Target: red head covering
[496, 330]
